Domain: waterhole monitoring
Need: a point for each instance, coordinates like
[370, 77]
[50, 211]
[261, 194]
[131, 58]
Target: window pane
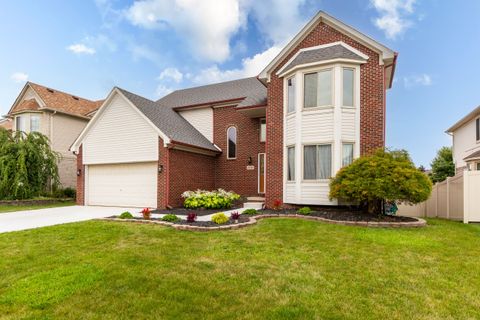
[19, 126]
[34, 123]
[324, 161]
[348, 87]
[309, 162]
[310, 90]
[347, 153]
[232, 142]
[263, 130]
[478, 129]
[291, 95]
[325, 88]
[291, 164]
[478, 166]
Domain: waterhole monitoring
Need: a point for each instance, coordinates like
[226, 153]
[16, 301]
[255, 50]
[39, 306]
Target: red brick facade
[372, 109]
[232, 174]
[80, 178]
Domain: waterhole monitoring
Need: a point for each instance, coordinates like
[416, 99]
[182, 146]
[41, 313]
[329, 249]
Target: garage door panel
[133, 185]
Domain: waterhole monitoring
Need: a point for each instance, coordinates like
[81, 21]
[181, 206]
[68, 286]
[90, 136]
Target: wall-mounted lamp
[249, 161]
[79, 172]
[160, 168]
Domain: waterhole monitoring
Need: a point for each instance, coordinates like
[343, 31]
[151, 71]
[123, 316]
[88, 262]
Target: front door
[261, 173]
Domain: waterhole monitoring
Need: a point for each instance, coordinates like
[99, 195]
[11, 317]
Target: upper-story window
[348, 87]
[263, 130]
[291, 95]
[318, 89]
[477, 128]
[34, 123]
[19, 123]
[232, 143]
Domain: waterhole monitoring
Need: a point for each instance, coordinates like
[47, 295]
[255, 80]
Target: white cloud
[393, 16]
[162, 90]
[80, 48]
[206, 24]
[144, 52]
[18, 77]
[250, 67]
[171, 74]
[417, 80]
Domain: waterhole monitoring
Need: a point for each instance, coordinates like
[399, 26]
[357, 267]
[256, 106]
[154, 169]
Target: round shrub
[250, 211]
[304, 211]
[217, 199]
[126, 215]
[220, 218]
[170, 218]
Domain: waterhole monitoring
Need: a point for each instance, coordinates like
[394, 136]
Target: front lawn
[11, 208]
[277, 269]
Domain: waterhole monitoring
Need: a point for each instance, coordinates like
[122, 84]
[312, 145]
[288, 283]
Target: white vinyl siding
[126, 185]
[465, 142]
[201, 119]
[317, 126]
[120, 135]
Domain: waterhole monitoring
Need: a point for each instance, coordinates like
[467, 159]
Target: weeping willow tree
[28, 166]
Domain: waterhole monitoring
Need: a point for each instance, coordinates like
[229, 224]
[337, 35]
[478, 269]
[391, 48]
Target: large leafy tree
[384, 175]
[28, 166]
[442, 165]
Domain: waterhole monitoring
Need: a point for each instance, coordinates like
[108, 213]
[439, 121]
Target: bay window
[291, 164]
[347, 154]
[348, 87]
[291, 95]
[317, 89]
[20, 123]
[317, 162]
[34, 123]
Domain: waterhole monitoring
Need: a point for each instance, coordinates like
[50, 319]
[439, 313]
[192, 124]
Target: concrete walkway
[31, 219]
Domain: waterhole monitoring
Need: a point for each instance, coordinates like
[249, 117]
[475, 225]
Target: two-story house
[466, 142]
[317, 106]
[58, 115]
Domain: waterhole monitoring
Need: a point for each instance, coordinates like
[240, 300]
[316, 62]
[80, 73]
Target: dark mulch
[184, 212]
[344, 214]
[211, 223]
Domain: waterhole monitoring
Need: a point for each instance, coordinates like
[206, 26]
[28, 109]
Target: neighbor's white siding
[201, 119]
[464, 143]
[120, 135]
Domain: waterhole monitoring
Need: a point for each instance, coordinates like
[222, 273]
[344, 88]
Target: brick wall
[233, 174]
[81, 178]
[189, 171]
[371, 107]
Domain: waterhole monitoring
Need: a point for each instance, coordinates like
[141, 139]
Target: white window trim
[295, 164]
[332, 153]
[317, 70]
[353, 151]
[265, 120]
[236, 143]
[292, 77]
[343, 67]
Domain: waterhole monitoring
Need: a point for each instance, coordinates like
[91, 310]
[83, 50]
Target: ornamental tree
[28, 166]
[384, 175]
[442, 166]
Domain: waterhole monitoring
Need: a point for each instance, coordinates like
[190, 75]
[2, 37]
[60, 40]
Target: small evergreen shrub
[304, 211]
[220, 218]
[126, 215]
[192, 217]
[250, 211]
[217, 199]
[170, 218]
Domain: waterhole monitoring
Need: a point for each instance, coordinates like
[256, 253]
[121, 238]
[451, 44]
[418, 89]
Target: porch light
[249, 161]
[160, 168]
[79, 172]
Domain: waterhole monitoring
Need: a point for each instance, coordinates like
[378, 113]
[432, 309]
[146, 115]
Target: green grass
[277, 269]
[12, 208]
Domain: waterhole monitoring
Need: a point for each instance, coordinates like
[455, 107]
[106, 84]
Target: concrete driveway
[31, 219]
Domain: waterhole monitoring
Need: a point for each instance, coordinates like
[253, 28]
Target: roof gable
[472, 115]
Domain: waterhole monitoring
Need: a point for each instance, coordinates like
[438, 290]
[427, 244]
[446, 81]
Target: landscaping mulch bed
[344, 214]
[212, 224]
[34, 202]
[185, 212]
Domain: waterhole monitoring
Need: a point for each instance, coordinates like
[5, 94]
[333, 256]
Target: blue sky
[154, 46]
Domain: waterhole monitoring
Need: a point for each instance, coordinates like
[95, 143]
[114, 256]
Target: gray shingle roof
[251, 90]
[333, 52]
[169, 122]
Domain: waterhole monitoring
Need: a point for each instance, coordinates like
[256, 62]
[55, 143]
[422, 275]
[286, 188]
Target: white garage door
[126, 185]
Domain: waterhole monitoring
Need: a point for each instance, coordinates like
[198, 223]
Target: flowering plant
[146, 213]
[191, 217]
[235, 215]
[217, 199]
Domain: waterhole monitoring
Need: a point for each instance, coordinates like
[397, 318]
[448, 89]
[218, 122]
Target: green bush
[220, 218]
[250, 211]
[126, 215]
[384, 175]
[304, 211]
[64, 193]
[170, 218]
[218, 199]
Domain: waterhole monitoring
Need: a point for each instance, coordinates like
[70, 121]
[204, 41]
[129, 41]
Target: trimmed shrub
[170, 218]
[250, 211]
[220, 218]
[217, 199]
[304, 211]
[126, 215]
[192, 217]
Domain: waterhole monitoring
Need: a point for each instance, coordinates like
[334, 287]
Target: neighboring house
[6, 123]
[58, 115]
[466, 142]
[318, 105]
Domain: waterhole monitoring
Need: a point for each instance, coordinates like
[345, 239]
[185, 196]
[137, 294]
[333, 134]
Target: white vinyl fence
[457, 198]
